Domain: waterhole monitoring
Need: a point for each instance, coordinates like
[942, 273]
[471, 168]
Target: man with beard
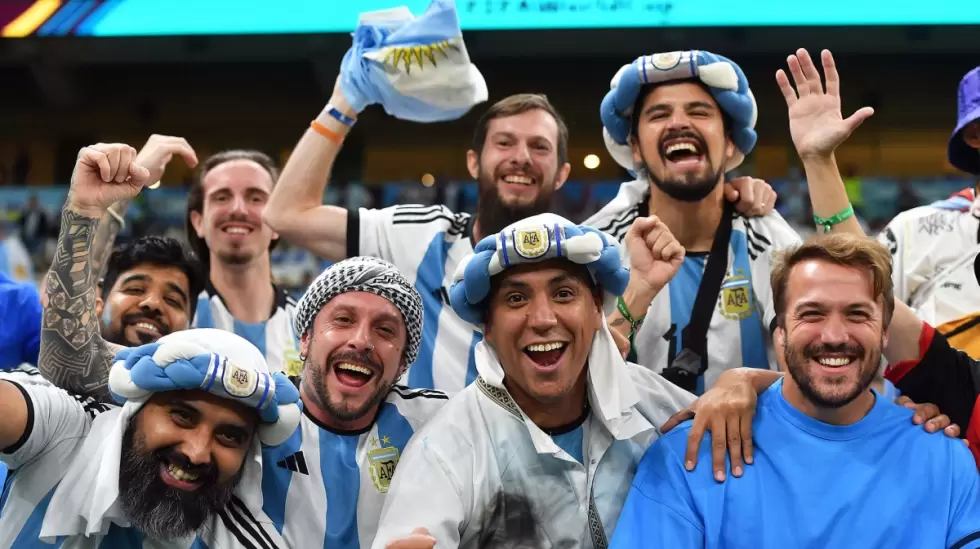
[681, 121]
[225, 229]
[148, 290]
[176, 466]
[832, 457]
[519, 157]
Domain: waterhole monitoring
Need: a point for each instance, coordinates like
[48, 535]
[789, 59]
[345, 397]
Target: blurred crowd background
[250, 74]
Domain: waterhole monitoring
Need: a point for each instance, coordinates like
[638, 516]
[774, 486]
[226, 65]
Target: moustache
[682, 134]
[815, 350]
[362, 358]
[207, 473]
[149, 316]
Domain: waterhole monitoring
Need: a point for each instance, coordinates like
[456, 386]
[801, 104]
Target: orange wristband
[326, 132]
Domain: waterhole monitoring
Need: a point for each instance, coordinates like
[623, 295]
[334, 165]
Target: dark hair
[858, 252]
[195, 197]
[645, 91]
[158, 251]
[519, 104]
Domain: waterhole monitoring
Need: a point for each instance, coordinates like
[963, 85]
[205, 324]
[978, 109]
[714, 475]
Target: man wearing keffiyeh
[176, 466]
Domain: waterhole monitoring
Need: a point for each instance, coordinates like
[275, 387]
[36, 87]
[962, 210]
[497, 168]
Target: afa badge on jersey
[383, 461]
[735, 301]
[293, 363]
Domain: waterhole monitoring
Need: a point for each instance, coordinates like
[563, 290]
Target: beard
[315, 379]
[495, 215]
[160, 511]
[840, 394]
[689, 187]
[235, 257]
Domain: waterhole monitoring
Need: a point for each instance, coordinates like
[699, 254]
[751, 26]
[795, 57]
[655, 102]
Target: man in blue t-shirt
[836, 464]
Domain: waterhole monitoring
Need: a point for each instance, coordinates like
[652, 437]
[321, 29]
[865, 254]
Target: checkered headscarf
[365, 274]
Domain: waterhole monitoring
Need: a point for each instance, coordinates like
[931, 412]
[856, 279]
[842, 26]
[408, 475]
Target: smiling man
[225, 229]
[148, 290]
[176, 466]
[361, 326]
[681, 121]
[832, 457]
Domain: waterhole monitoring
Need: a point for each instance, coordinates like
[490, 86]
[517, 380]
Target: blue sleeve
[964, 523]
[30, 326]
[659, 511]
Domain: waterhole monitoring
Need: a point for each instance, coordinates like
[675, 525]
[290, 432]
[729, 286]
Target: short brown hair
[859, 252]
[519, 104]
[195, 197]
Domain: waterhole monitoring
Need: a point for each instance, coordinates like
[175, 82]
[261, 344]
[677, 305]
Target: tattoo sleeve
[73, 354]
[105, 238]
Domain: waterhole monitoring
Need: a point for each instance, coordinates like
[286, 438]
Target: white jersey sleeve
[56, 421]
[426, 492]
[765, 236]
[400, 234]
[896, 238]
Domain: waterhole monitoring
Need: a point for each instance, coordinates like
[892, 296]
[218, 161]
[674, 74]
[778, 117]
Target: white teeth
[237, 230]
[148, 327]
[834, 361]
[181, 474]
[542, 347]
[519, 179]
[354, 368]
[682, 147]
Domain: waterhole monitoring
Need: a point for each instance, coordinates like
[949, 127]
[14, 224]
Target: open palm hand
[815, 120]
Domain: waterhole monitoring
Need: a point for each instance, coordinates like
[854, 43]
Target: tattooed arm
[105, 237]
[73, 354]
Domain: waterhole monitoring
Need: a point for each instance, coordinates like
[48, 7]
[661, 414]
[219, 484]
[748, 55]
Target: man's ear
[473, 164]
[99, 305]
[304, 344]
[196, 223]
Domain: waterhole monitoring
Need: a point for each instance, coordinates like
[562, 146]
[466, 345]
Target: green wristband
[828, 223]
[634, 325]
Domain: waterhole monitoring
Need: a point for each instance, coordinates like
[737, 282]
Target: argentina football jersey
[274, 337]
[739, 331]
[326, 488]
[426, 243]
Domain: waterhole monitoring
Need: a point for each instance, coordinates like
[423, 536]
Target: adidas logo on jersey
[295, 463]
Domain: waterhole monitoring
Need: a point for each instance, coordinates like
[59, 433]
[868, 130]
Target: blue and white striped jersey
[740, 330]
[38, 462]
[275, 337]
[323, 488]
[426, 243]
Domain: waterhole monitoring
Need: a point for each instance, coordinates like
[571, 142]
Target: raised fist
[655, 255]
[104, 174]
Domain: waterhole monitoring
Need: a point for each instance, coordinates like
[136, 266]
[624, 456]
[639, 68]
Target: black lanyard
[684, 369]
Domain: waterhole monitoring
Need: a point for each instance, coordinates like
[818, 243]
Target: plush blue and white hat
[215, 361]
[536, 239]
[723, 77]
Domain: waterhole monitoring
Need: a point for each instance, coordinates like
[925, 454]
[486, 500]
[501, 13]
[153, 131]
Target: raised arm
[155, 155]
[295, 209]
[818, 128]
[73, 354]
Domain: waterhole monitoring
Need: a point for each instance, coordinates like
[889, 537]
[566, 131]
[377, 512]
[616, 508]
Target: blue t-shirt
[20, 323]
[881, 482]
